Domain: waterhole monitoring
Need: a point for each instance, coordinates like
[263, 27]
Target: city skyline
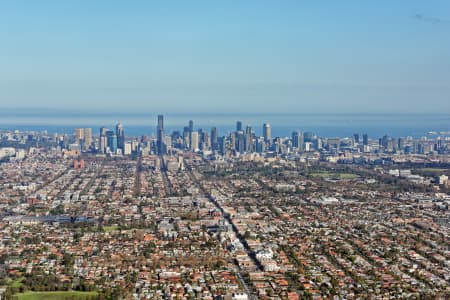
[346, 57]
[240, 141]
[325, 125]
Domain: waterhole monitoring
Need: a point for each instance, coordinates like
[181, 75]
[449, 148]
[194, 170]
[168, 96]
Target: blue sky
[227, 56]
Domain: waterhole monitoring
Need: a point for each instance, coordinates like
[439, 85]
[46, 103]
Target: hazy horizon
[144, 122]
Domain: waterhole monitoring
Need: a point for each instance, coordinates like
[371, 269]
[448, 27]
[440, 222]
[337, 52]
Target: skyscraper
[120, 137]
[83, 136]
[79, 134]
[240, 141]
[248, 139]
[160, 135]
[194, 141]
[191, 129]
[111, 139]
[214, 139]
[233, 143]
[365, 139]
[308, 136]
[267, 132]
[238, 126]
[87, 138]
[103, 131]
[223, 145]
[161, 121]
[103, 140]
[186, 137]
[297, 140]
[205, 141]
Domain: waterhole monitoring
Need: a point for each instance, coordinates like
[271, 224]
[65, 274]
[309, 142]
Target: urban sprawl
[196, 215]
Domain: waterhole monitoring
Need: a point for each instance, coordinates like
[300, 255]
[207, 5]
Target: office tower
[295, 135]
[248, 139]
[261, 145]
[297, 140]
[365, 140]
[214, 139]
[87, 138]
[356, 138]
[440, 146]
[176, 139]
[103, 131]
[233, 138]
[333, 144]
[111, 140]
[205, 141]
[79, 134]
[134, 146]
[277, 144]
[128, 148]
[167, 142]
[160, 135]
[317, 143]
[78, 138]
[161, 121]
[240, 141]
[200, 135]
[103, 141]
[102, 144]
[176, 135]
[194, 141]
[191, 129]
[186, 137]
[238, 126]
[384, 141]
[308, 136]
[83, 137]
[222, 145]
[120, 137]
[267, 132]
[308, 146]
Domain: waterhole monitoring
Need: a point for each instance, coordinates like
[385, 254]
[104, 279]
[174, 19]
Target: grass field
[110, 228]
[17, 283]
[334, 175]
[55, 295]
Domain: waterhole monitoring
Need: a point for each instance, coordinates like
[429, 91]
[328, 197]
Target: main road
[229, 221]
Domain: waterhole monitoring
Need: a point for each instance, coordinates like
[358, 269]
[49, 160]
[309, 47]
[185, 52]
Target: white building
[239, 296]
[127, 148]
[443, 179]
[264, 255]
[6, 152]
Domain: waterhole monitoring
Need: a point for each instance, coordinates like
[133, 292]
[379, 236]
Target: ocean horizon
[282, 124]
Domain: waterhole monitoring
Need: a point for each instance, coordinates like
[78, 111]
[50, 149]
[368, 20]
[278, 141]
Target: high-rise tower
[248, 139]
[160, 135]
[111, 140]
[267, 132]
[87, 138]
[120, 137]
[191, 129]
[103, 140]
[238, 126]
[214, 139]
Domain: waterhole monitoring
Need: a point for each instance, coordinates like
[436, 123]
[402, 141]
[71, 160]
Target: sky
[384, 56]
